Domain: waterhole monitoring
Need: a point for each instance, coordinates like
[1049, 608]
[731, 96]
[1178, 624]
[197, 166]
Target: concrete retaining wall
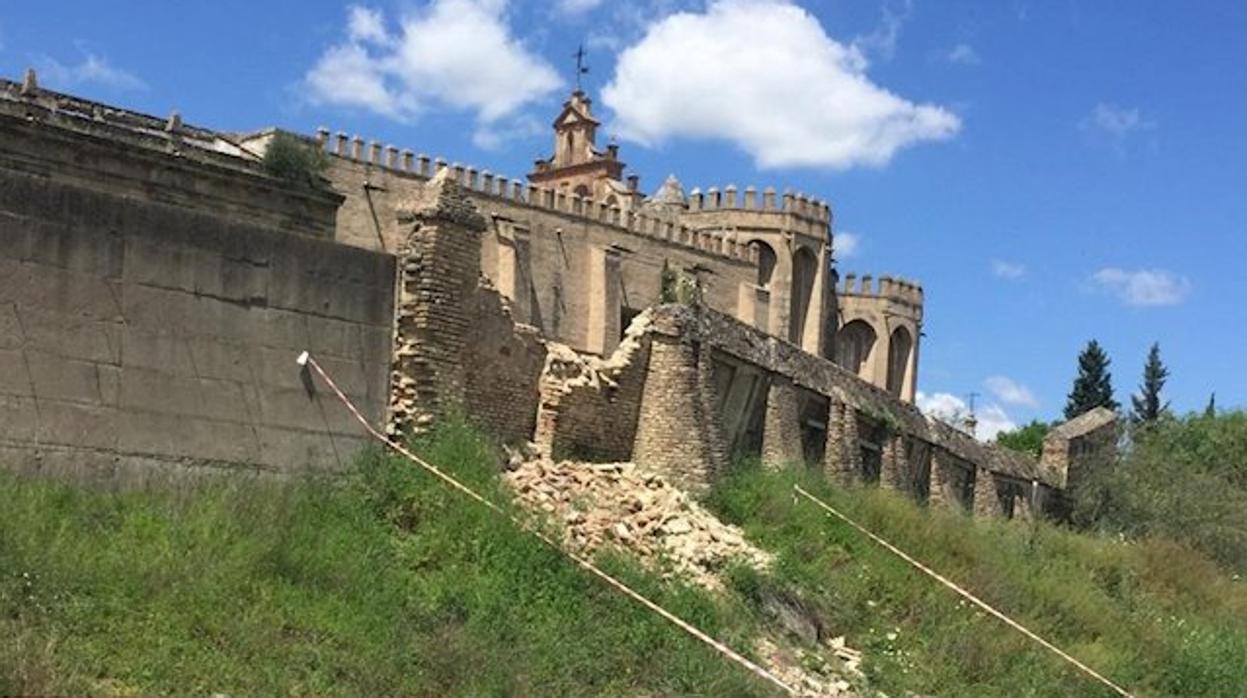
[136, 335]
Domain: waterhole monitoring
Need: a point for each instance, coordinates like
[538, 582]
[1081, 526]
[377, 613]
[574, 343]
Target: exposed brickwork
[440, 268]
[674, 432]
[456, 347]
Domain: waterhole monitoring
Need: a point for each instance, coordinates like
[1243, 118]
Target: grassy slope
[385, 585]
[1156, 617]
[389, 584]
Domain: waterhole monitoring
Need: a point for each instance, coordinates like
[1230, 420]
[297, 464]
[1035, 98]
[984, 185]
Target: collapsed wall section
[590, 406]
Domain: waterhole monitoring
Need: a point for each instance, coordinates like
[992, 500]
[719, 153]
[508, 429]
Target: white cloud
[882, 41]
[1143, 287]
[92, 70]
[846, 244]
[764, 75]
[992, 419]
[1007, 270]
[1011, 392]
[962, 54]
[1117, 122]
[366, 24]
[457, 54]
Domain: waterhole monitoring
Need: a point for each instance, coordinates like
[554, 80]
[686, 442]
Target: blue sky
[1050, 171]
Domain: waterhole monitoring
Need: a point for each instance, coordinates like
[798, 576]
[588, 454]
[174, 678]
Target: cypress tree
[1147, 405]
[1211, 409]
[1094, 385]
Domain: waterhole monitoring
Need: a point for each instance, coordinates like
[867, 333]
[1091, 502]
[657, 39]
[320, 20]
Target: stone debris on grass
[619, 505]
[807, 673]
[603, 504]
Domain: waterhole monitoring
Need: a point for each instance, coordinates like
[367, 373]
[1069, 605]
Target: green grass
[385, 583]
[1153, 616]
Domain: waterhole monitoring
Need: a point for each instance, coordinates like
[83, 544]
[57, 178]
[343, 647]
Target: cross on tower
[582, 68]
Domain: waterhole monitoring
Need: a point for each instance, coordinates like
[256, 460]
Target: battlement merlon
[798, 204]
[888, 287]
[354, 150]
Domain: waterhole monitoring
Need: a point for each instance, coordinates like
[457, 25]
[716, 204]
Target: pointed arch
[900, 346]
[854, 344]
[804, 269]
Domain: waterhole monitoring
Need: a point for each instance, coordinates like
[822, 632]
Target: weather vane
[581, 67]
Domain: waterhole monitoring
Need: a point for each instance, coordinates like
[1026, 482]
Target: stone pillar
[781, 429]
[986, 495]
[439, 267]
[837, 464]
[852, 443]
[675, 432]
[892, 462]
[1022, 506]
[939, 491]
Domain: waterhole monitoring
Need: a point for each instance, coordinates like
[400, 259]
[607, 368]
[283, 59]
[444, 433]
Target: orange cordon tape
[972, 598]
[305, 359]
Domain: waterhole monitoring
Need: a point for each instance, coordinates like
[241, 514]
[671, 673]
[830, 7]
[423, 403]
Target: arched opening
[766, 262]
[804, 268]
[581, 191]
[612, 201]
[854, 342]
[899, 348]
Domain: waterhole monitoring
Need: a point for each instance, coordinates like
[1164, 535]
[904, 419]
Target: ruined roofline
[137, 123]
[888, 287]
[800, 205]
[517, 192]
[749, 344]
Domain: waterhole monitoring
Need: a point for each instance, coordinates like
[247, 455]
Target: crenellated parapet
[885, 287]
[750, 208]
[750, 199]
[517, 192]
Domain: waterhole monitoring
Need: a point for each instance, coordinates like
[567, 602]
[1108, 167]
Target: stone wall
[569, 268]
[137, 335]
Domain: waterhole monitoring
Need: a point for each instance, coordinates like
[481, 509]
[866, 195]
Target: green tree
[1094, 385]
[1211, 409]
[294, 160]
[1147, 404]
[1027, 438]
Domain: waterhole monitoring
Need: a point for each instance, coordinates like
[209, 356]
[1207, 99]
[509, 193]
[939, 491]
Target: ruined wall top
[129, 153]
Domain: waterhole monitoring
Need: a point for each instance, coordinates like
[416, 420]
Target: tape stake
[963, 592]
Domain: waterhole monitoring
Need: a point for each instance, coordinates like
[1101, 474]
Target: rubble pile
[616, 504]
